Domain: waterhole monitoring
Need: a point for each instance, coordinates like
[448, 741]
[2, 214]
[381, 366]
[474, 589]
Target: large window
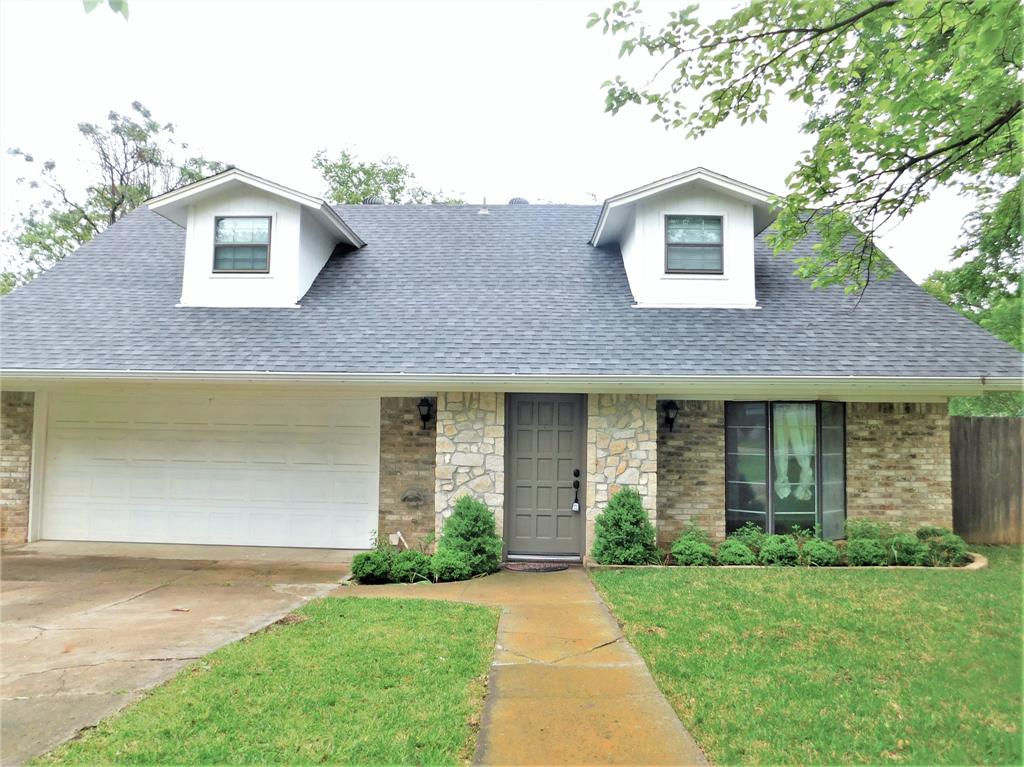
[785, 466]
[693, 244]
[241, 244]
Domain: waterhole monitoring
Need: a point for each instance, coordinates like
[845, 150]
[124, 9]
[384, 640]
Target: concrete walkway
[565, 686]
[81, 636]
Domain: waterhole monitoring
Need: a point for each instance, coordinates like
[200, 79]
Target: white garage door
[213, 468]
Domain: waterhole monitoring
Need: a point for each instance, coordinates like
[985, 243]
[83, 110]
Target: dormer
[250, 242]
[688, 240]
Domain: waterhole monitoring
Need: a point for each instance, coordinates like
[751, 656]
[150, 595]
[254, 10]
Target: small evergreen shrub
[948, 550]
[692, 552]
[410, 566]
[623, 535]
[860, 529]
[779, 550]
[372, 566]
[907, 549]
[694, 533]
[470, 530]
[735, 552]
[750, 535]
[819, 553]
[451, 565]
[925, 532]
[865, 551]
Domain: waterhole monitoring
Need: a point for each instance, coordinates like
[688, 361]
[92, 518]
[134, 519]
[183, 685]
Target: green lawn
[804, 666]
[360, 681]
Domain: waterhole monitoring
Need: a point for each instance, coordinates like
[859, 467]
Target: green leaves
[117, 6]
[350, 180]
[904, 95]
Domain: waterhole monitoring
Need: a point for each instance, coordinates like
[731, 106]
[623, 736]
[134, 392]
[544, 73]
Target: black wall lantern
[671, 411]
[424, 407]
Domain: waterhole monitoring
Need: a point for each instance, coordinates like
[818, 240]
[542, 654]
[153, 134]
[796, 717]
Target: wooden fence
[987, 479]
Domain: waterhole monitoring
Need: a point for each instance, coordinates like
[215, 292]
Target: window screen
[693, 244]
[241, 244]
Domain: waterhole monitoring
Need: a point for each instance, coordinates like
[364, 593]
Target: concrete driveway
[81, 635]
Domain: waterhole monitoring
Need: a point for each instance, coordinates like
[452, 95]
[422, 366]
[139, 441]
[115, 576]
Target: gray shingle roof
[443, 290]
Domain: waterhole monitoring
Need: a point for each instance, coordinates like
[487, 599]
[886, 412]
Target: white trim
[853, 388]
[37, 467]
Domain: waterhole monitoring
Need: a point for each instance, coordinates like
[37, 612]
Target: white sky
[494, 99]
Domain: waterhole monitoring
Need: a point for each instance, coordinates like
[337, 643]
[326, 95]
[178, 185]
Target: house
[240, 363]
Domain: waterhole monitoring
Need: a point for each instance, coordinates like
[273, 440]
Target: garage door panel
[300, 472]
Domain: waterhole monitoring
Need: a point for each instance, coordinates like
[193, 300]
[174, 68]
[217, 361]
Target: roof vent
[373, 199]
[518, 201]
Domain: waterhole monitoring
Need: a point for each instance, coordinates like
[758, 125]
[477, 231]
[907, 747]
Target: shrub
[750, 535]
[470, 530]
[693, 533]
[924, 532]
[868, 529]
[779, 550]
[819, 553]
[451, 565]
[372, 566]
[865, 551]
[410, 566]
[906, 549]
[735, 552]
[690, 552]
[623, 535]
[948, 550]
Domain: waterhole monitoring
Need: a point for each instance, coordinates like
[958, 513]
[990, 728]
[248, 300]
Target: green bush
[924, 532]
[372, 566]
[693, 533]
[451, 565]
[779, 550]
[868, 529]
[907, 549]
[691, 552]
[750, 535]
[865, 551]
[735, 552]
[410, 566]
[948, 550]
[470, 530]
[819, 553]
[623, 535]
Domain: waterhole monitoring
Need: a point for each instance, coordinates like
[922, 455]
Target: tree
[133, 158]
[350, 180]
[903, 96]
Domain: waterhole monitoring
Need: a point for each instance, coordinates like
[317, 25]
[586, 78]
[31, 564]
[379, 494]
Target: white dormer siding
[304, 231]
[636, 222]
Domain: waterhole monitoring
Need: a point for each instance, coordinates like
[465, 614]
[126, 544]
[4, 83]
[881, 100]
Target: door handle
[576, 487]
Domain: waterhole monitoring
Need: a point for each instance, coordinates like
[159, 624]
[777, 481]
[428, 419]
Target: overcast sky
[495, 99]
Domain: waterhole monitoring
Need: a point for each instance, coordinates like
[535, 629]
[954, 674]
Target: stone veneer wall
[406, 470]
[691, 471]
[16, 410]
[897, 463]
[622, 451]
[470, 452]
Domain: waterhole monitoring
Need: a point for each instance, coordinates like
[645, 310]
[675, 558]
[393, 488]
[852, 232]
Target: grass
[359, 681]
[805, 666]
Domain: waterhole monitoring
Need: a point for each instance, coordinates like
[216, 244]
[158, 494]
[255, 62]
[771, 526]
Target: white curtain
[794, 426]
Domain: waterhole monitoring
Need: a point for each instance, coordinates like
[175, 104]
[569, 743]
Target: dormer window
[241, 244]
[693, 245]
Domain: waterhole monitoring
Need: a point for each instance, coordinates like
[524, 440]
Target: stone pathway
[565, 685]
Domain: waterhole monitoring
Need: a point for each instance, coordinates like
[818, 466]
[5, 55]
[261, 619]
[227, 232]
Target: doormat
[536, 567]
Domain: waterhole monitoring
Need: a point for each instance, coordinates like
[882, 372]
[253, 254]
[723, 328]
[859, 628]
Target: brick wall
[15, 464]
[406, 470]
[691, 471]
[470, 456]
[897, 463]
[622, 451]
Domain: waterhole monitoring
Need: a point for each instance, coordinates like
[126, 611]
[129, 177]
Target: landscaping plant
[451, 565]
[948, 550]
[734, 552]
[470, 531]
[692, 548]
[410, 566]
[865, 552]
[623, 534]
[906, 549]
[779, 550]
[750, 535]
[372, 567]
[818, 553]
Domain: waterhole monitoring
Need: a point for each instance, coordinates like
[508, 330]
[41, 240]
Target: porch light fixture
[671, 410]
[424, 407]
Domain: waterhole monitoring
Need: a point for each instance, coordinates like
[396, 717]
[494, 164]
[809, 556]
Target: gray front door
[545, 447]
